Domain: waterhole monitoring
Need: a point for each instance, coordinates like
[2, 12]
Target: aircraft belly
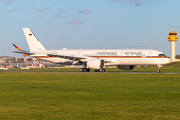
[139, 61]
[129, 61]
[153, 61]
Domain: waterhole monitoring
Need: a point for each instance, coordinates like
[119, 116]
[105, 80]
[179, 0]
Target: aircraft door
[121, 55]
[150, 55]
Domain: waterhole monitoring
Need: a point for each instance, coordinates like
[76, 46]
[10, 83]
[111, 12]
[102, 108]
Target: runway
[88, 72]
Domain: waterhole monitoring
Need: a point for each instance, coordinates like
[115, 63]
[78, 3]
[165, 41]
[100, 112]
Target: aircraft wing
[70, 57]
[76, 58]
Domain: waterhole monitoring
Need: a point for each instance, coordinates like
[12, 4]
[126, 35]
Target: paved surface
[6, 71]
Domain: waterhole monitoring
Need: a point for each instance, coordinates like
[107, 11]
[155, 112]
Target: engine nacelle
[125, 67]
[96, 64]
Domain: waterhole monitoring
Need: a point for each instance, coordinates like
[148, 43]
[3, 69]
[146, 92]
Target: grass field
[110, 96]
[175, 67]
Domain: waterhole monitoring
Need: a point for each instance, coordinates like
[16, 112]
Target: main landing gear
[88, 70]
[100, 70]
[84, 70]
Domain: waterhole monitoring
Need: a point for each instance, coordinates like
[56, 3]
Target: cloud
[76, 22]
[115, 1]
[139, 3]
[131, 2]
[84, 11]
[42, 10]
[7, 1]
[61, 11]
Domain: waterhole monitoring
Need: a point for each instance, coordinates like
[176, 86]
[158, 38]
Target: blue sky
[90, 24]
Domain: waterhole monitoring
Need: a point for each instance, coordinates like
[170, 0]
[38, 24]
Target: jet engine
[125, 67]
[96, 64]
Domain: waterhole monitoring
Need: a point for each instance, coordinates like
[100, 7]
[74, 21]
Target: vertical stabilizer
[33, 42]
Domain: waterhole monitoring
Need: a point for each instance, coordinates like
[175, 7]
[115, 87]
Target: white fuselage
[113, 56]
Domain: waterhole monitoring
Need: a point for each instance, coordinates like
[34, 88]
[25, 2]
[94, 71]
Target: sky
[90, 24]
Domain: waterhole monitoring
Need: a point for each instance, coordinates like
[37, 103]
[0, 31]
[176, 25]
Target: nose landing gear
[158, 68]
[158, 71]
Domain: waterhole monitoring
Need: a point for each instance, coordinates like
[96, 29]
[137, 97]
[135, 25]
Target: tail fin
[33, 42]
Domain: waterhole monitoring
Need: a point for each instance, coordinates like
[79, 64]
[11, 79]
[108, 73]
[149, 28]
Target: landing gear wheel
[84, 70]
[100, 70]
[88, 70]
[97, 70]
[80, 70]
[158, 70]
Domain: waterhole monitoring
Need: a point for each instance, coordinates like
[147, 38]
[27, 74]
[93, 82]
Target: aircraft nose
[168, 61]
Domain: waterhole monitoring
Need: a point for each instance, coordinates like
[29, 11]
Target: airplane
[97, 59]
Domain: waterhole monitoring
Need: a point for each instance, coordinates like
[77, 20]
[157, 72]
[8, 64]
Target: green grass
[110, 96]
[174, 67]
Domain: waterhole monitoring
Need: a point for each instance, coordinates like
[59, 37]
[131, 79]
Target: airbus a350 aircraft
[97, 59]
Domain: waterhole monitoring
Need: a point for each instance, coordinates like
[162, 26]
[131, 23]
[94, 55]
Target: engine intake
[96, 64]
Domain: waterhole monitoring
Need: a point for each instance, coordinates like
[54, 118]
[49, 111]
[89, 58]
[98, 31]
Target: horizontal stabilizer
[24, 52]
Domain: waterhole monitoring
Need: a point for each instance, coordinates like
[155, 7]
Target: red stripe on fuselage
[108, 57]
[126, 57]
[44, 57]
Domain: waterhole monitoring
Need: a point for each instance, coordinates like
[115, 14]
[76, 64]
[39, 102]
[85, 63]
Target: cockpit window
[162, 55]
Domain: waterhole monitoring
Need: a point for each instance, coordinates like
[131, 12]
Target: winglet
[17, 47]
